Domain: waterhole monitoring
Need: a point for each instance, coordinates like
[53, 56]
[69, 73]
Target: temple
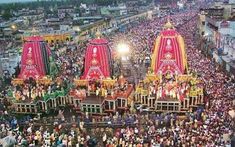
[35, 58]
[97, 59]
[169, 52]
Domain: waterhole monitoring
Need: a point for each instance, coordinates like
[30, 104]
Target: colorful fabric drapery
[97, 60]
[169, 53]
[35, 58]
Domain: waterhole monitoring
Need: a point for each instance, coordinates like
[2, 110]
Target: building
[221, 10]
[115, 11]
[202, 23]
[54, 23]
[85, 20]
[31, 15]
[9, 61]
[107, 25]
[217, 35]
[51, 36]
[227, 43]
[215, 13]
[65, 11]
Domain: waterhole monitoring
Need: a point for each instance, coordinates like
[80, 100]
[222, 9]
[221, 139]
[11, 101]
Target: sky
[13, 1]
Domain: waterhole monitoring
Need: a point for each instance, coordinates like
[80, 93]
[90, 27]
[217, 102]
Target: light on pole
[123, 49]
[13, 27]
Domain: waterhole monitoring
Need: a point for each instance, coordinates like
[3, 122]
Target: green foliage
[53, 69]
[6, 15]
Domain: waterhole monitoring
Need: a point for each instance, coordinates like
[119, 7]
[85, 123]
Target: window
[111, 105]
[77, 102]
[119, 102]
[171, 108]
[164, 107]
[106, 105]
[123, 103]
[97, 110]
[203, 23]
[93, 109]
[176, 108]
[158, 107]
[182, 104]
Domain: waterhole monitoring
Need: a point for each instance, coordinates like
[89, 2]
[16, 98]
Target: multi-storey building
[218, 34]
[65, 11]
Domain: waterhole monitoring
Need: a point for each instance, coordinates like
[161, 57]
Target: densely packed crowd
[4, 44]
[142, 37]
[31, 90]
[211, 126]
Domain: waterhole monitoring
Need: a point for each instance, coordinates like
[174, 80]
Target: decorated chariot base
[176, 93]
[101, 96]
[38, 95]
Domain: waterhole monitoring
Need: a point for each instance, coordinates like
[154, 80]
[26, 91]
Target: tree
[7, 15]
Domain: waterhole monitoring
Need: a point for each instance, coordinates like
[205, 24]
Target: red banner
[32, 64]
[97, 60]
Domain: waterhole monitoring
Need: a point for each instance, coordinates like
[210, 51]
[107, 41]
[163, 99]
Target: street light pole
[123, 50]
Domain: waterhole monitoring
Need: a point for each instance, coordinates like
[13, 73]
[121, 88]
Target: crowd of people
[30, 90]
[209, 126]
[212, 127]
[5, 43]
[142, 37]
